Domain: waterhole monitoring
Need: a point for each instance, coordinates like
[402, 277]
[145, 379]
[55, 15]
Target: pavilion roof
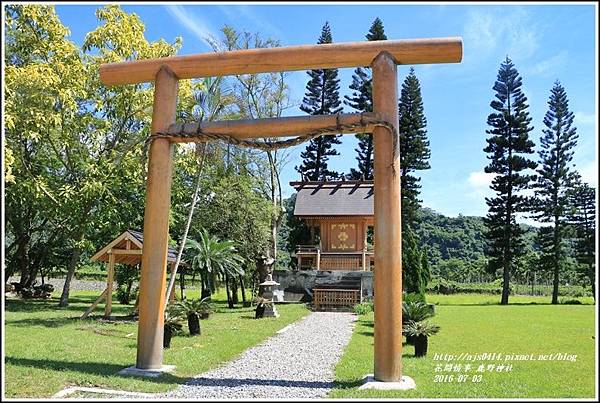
[128, 240]
[334, 198]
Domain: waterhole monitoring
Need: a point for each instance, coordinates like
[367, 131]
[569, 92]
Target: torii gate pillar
[387, 229]
[156, 227]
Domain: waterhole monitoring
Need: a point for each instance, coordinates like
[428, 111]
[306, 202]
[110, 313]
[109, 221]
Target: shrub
[174, 317]
[412, 297]
[363, 308]
[415, 311]
[422, 328]
[125, 276]
[446, 287]
[570, 302]
[197, 306]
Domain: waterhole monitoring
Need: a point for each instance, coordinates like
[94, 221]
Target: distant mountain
[457, 238]
[455, 245]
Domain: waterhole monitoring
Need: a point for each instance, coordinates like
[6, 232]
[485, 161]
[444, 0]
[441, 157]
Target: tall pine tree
[414, 146]
[414, 156]
[582, 216]
[362, 101]
[321, 98]
[554, 180]
[507, 147]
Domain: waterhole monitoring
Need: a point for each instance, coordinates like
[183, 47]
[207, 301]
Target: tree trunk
[243, 289]
[37, 259]
[32, 274]
[229, 299]
[205, 287]
[22, 258]
[556, 247]
[128, 291]
[234, 291]
[555, 284]
[505, 284]
[182, 284]
[64, 297]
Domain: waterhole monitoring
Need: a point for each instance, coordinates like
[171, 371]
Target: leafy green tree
[362, 101]
[507, 147]
[322, 98]
[125, 276]
[213, 258]
[295, 231]
[582, 216]
[554, 180]
[77, 144]
[211, 101]
[263, 96]
[41, 91]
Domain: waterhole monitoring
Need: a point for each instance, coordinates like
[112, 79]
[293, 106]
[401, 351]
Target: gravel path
[298, 362]
[76, 285]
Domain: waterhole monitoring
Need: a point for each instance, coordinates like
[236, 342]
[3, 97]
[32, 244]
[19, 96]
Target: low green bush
[446, 287]
[363, 308]
[412, 297]
[125, 277]
[570, 302]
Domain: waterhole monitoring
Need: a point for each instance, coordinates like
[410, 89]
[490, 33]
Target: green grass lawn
[475, 324]
[48, 348]
[489, 299]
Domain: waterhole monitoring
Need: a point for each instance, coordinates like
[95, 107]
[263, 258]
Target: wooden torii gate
[382, 57]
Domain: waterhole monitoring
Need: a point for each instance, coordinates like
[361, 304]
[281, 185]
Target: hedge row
[443, 286]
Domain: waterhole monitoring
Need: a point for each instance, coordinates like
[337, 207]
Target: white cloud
[582, 118]
[549, 65]
[589, 173]
[193, 23]
[523, 218]
[505, 30]
[528, 94]
[235, 12]
[477, 188]
[480, 180]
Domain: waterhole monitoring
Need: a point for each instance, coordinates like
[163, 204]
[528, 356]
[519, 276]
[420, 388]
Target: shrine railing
[312, 258]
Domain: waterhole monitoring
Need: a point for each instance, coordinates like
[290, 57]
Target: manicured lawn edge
[48, 349]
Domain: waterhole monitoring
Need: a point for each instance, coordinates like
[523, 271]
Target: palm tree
[214, 258]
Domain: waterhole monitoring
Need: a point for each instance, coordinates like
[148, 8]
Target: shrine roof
[334, 198]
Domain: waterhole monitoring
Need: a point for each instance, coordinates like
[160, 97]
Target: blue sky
[546, 43]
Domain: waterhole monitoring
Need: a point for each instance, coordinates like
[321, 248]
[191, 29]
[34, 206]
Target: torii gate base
[148, 373]
[406, 383]
[382, 56]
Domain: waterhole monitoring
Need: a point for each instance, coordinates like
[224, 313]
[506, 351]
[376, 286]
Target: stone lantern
[267, 293]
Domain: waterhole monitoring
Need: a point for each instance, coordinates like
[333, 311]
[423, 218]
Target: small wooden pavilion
[338, 214]
[124, 249]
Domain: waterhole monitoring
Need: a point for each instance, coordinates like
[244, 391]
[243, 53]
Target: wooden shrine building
[124, 249]
[339, 214]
